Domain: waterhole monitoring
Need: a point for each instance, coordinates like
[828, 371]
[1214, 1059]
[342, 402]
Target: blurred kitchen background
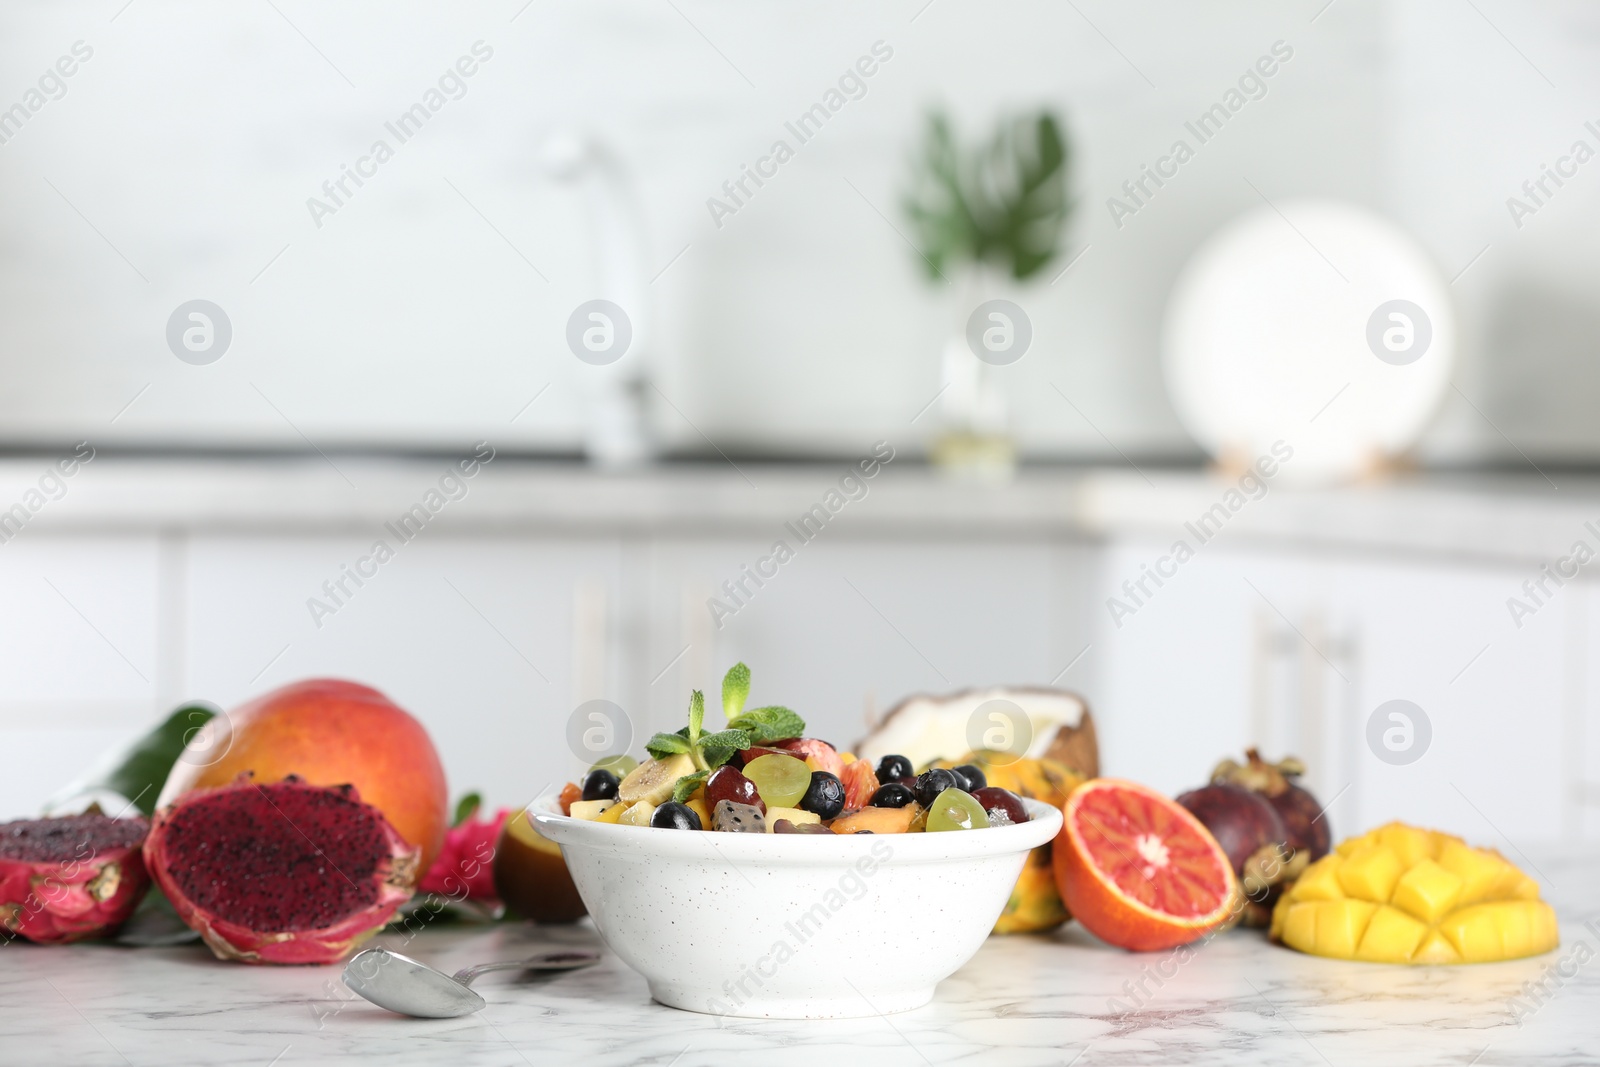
[367, 345]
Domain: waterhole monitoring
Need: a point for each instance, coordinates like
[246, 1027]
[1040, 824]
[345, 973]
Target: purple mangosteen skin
[1242, 821]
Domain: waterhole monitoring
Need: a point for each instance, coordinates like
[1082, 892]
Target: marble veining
[1023, 1001]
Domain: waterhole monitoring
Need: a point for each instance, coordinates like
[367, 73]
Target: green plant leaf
[663, 745]
[718, 748]
[697, 714]
[771, 723]
[1004, 203]
[735, 689]
[466, 808]
[140, 770]
[688, 784]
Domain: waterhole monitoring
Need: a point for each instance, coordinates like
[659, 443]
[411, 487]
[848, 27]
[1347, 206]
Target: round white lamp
[1312, 323]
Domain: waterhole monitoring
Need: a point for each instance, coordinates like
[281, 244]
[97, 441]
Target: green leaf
[663, 745]
[697, 714]
[688, 784]
[139, 771]
[735, 689]
[1004, 202]
[772, 723]
[466, 808]
[718, 748]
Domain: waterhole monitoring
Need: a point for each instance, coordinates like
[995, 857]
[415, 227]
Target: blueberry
[933, 782]
[974, 775]
[675, 816]
[600, 784]
[892, 795]
[824, 796]
[893, 768]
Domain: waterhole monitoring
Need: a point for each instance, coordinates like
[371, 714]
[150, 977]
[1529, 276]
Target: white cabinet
[490, 642]
[80, 655]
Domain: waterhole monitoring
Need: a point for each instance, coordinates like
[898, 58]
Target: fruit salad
[761, 774]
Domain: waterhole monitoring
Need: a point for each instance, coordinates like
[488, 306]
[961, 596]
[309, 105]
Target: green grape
[781, 780]
[956, 810]
[617, 765]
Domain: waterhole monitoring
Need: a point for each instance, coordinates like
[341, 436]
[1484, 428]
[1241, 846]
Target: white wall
[192, 139]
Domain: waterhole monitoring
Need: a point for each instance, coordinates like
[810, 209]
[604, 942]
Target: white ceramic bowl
[790, 926]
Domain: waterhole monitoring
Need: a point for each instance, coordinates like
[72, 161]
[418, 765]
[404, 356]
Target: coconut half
[1030, 722]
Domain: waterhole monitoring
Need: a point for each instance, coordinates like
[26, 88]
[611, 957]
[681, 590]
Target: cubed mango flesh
[1400, 894]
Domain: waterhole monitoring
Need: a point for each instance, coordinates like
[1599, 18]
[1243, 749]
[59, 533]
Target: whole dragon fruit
[70, 878]
[280, 872]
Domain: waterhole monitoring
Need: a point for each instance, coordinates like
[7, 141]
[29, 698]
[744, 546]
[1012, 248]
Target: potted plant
[987, 220]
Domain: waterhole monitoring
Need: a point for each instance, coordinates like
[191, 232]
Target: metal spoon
[410, 987]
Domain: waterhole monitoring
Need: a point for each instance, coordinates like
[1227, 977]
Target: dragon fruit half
[280, 872]
[72, 877]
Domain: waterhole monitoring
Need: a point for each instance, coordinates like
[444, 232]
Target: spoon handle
[558, 960]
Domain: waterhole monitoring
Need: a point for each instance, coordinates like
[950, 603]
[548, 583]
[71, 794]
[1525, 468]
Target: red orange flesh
[1138, 870]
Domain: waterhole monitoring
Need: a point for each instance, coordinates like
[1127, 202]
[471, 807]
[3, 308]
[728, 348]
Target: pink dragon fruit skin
[70, 878]
[280, 872]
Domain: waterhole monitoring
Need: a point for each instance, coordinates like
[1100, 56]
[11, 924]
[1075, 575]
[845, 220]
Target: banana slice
[652, 780]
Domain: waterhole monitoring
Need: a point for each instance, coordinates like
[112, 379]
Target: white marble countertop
[1022, 1001]
[1523, 517]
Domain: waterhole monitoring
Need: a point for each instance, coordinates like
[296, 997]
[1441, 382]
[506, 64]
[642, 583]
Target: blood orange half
[1138, 870]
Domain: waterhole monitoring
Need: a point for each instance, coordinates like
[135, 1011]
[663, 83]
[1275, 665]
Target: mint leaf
[687, 785]
[466, 808]
[735, 688]
[697, 714]
[663, 745]
[769, 724]
[718, 748]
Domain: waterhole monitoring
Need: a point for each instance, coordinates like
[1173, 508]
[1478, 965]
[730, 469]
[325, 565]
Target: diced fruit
[819, 755]
[1392, 937]
[859, 784]
[1371, 874]
[731, 818]
[591, 809]
[994, 799]
[675, 816]
[1427, 891]
[893, 795]
[956, 809]
[784, 826]
[614, 813]
[698, 806]
[893, 768]
[1138, 870]
[618, 765]
[1401, 894]
[638, 814]
[652, 781]
[781, 779]
[600, 784]
[824, 796]
[569, 793]
[931, 783]
[790, 815]
[877, 820]
[726, 783]
[971, 775]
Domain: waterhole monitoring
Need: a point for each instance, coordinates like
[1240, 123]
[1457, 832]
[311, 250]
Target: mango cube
[1427, 891]
[1371, 873]
[1392, 936]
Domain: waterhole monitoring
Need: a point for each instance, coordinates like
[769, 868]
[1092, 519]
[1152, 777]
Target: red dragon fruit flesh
[280, 872]
[70, 878]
